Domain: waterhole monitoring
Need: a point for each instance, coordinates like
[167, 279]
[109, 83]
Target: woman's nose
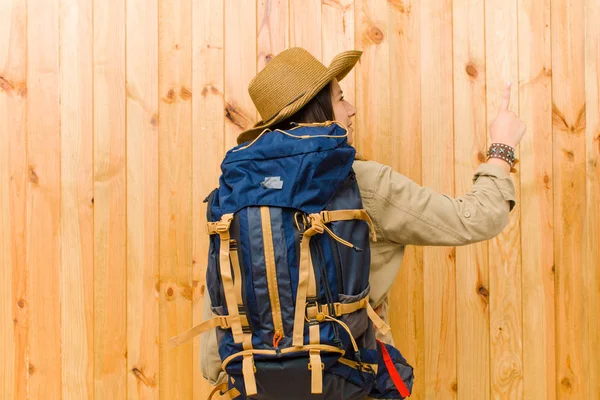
[351, 110]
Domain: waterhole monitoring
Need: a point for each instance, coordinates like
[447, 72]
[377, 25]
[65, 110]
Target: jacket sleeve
[407, 213]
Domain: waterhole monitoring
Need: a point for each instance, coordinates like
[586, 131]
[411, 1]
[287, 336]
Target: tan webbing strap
[237, 276]
[229, 395]
[287, 350]
[226, 276]
[222, 321]
[312, 283]
[315, 364]
[249, 378]
[248, 372]
[355, 365]
[303, 281]
[340, 308]
[348, 215]
[377, 321]
[223, 394]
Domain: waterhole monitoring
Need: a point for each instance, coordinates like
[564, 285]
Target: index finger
[505, 102]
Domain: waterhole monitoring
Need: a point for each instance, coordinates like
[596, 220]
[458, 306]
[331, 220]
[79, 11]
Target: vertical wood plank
[208, 145]
[373, 130]
[337, 17]
[506, 361]
[305, 26]
[592, 227]
[14, 301]
[77, 225]
[240, 67]
[439, 275]
[406, 296]
[175, 186]
[110, 201]
[470, 133]
[143, 284]
[535, 105]
[273, 30]
[43, 200]
[569, 122]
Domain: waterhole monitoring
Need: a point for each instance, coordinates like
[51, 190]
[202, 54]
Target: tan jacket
[405, 213]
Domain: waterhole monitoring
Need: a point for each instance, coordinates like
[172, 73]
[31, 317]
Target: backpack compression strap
[222, 321]
[233, 298]
[223, 394]
[318, 221]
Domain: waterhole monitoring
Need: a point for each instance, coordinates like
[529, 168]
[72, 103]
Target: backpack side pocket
[394, 376]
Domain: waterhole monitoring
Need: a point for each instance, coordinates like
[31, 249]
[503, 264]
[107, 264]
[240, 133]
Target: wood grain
[77, 192]
[407, 295]
[535, 109]
[506, 337]
[591, 250]
[373, 130]
[569, 127]
[110, 201]
[14, 306]
[143, 284]
[208, 134]
[175, 191]
[115, 116]
[306, 26]
[240, 67]
[337, 30]
[43, 245]
[273, 30]
[439, 271]
[472, 268]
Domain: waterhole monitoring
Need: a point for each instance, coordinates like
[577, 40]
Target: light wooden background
[114, 115]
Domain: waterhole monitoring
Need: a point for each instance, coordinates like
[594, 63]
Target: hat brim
[339, 67]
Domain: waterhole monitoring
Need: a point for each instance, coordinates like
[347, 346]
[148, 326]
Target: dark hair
[318, 109]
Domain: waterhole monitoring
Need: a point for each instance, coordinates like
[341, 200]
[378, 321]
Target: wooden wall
[114, 115]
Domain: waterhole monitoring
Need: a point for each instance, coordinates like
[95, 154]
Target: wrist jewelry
[502, 151]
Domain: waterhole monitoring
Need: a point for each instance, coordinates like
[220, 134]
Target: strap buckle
[319, 315]
[325, 217]
[224, 321]
[337, 308]
[317, 223]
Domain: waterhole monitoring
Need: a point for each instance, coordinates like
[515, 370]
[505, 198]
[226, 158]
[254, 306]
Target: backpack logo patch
[272, 182]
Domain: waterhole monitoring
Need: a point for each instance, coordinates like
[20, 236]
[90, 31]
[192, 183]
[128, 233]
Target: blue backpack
[288, 274]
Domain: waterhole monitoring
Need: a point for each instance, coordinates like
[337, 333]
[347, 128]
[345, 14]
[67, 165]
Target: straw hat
[289, 81]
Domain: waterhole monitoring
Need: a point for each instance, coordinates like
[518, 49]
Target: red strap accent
[389, 364]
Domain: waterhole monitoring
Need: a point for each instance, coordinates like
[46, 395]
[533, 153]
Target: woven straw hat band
[283, 80]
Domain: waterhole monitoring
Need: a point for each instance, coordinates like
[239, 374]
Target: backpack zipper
[271, 271]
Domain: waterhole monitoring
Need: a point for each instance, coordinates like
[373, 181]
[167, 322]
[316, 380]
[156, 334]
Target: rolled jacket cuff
[501, 179]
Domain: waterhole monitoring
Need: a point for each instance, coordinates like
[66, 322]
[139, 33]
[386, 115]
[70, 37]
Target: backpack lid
[299, 168]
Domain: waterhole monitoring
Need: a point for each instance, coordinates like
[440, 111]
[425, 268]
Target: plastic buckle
[316, 222]
[325, 217]
[337, 307]
[317, 310]
[224, 224]
[222, 227]
[224, 322]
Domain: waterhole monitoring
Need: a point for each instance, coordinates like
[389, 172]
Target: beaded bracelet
[502, 151]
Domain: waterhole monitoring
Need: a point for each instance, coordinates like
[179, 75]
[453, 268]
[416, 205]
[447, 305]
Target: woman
[295, 87]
